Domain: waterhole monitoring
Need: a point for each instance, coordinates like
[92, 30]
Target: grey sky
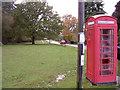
[71, 6]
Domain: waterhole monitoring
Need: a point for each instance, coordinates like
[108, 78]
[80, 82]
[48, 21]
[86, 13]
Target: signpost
[81, 39]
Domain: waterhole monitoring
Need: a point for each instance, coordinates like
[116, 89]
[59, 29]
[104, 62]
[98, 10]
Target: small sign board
[82, 60]
[90, 23]
[106, 22]
[82, 38]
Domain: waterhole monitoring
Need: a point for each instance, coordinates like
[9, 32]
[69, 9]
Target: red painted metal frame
[93, 49]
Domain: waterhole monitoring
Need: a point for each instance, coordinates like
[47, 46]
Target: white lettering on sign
[90, 23]
[106, 22]
[82, 60]
[82, 38]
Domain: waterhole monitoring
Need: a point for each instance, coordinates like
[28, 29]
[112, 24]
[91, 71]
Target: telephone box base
[102, 84]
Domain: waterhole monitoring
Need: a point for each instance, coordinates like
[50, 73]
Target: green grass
[36, 66]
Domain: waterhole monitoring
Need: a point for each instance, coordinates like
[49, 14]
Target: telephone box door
[107, 61]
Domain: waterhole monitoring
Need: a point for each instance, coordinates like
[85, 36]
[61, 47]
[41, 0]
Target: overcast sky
[71, 6]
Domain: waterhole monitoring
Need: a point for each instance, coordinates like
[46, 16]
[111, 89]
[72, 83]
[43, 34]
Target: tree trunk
[33, 40]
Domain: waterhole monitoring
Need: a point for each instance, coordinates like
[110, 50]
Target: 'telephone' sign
[90, 23]
[106, 22]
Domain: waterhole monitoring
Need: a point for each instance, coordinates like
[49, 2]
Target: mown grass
[33, 66]
[37, 66]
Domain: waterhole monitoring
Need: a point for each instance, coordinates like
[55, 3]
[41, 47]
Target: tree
[7, 32]
[8, 7]
[93, 8]
[37, 19]
[116, 14]
[7, 22]
[70, 25]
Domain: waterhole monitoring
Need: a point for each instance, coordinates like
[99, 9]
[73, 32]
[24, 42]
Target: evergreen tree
[116, 14]
[93, 8]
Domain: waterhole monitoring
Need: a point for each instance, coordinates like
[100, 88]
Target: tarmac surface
[55, 42]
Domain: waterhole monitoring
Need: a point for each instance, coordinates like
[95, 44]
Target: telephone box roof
[101, 15]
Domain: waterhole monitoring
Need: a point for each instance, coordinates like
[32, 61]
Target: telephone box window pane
[110, 61]
[107, 43]
[106, 49]
[106, 55]
[105, 61]
[106, 31]
[107, 72]
[107, 37]
[106, 66]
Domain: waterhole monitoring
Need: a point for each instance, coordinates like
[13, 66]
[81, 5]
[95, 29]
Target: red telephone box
[102, 49]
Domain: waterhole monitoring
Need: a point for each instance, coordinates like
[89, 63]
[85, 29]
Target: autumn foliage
[70, 25]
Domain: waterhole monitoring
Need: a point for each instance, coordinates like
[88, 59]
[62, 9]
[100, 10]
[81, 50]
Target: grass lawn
[38, 66]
